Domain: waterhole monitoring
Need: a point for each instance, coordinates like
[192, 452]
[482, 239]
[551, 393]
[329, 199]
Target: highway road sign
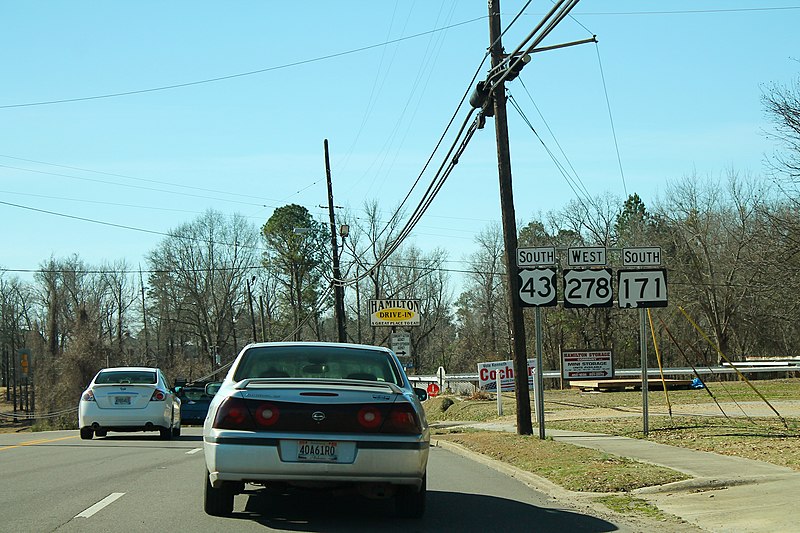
[400, 342]
[25, 359]
[641, 256]
[538, 287]
[642, 288]
[586, 256]
[586, 364]
[536, 257]
[433, 390]
[588, 288]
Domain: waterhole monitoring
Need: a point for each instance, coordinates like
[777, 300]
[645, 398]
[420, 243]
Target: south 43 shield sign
[588, 287]
[538, 287]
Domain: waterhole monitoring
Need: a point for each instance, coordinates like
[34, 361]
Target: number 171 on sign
[538, 287]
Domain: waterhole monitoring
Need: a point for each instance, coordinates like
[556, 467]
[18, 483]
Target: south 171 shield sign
[642, 288]
[538, 287]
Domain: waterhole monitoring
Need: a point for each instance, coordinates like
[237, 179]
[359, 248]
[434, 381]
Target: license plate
[122, 400]
[317, 451]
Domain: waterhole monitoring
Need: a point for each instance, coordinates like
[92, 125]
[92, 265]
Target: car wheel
[176, 431]
[165, 433]
[409, 502]
[217, 502]
[87, 433]
[101, 432]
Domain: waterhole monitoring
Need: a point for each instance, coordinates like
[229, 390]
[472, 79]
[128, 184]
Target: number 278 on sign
[538, 287]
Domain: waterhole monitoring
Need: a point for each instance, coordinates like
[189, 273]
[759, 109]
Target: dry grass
[574, 468]
[619, 413]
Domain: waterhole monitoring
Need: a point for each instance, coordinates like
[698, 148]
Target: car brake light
[88, 396]
[370, 417]
[158, 396]
[402, 419]
[233, 414]
[267, 415]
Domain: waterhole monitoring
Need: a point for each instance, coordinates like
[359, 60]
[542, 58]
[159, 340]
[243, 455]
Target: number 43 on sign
[538, 287]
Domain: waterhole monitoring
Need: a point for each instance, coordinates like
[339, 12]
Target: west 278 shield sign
[588, 287]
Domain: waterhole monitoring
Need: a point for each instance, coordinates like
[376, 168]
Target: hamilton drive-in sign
[394, 312]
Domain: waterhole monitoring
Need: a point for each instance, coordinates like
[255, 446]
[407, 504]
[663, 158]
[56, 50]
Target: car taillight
[267, 415]
[402, 419]
[233, 414]
[158, 396]
[370, 417]
[88, 396]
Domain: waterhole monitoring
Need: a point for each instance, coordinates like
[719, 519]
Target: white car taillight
[88, 396]
[158, 396]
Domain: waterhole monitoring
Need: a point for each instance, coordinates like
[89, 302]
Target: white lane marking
[190, 452]
[105, 502]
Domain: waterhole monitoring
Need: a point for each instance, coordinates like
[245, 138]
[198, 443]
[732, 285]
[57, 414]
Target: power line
[128, 185]
[611, 119]
[128, 177]
[238, 75]
[692, 11]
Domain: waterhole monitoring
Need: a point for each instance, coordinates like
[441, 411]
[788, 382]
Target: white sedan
[129, 399]
[316, 415]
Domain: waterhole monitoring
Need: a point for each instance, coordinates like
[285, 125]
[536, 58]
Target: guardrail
[637, 372]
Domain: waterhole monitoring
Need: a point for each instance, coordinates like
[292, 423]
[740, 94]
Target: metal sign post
[645, 387]
[538, 388]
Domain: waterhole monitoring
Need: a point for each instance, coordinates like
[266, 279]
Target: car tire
[87, 433]
[409, 502]
[217, 502]
[165, 433]
[176, 432]
[101, 432]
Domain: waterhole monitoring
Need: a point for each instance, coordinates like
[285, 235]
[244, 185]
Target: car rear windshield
[337, 362]
[194, 394]
[138, 377]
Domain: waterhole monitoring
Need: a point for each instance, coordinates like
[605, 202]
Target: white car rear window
[138, 377]
[318, 362]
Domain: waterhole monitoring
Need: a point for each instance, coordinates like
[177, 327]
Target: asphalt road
[54, 481]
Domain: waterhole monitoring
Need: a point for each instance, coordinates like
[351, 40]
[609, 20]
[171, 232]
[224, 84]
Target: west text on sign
[586, 256]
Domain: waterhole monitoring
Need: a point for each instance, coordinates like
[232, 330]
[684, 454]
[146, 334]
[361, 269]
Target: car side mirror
[422, 394]
[213, 387]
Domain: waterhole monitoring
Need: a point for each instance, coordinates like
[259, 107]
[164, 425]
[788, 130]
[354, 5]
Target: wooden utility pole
[338, 288]
[518, 348]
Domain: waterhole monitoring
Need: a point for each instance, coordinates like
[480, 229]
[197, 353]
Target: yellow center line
[35, 442]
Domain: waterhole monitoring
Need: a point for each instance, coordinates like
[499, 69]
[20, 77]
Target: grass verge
[574, 468]
[628, 505]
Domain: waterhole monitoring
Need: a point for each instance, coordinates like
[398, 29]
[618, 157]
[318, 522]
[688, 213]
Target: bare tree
[715, 250]
[198, 281]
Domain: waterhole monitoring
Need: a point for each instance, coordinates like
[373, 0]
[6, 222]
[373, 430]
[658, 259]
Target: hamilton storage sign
[394, 312]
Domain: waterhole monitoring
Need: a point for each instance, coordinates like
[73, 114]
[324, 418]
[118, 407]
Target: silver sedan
[316, 415]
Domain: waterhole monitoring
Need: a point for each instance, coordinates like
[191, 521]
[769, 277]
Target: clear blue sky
[684, 80]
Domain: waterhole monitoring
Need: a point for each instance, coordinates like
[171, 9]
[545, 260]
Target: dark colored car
[194, 403]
